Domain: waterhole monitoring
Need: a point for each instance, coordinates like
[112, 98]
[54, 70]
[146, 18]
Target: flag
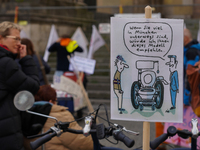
[198, 34]
[96, 42]
[23, 34]
[53, 37]
[82, 41]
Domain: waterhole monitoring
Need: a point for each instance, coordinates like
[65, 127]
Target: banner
[53, 37]
[96, 42]
[188, 114]
[82, 41]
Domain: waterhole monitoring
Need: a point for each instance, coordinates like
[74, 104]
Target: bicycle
[97, 132]
[24, 101]
[172, 131]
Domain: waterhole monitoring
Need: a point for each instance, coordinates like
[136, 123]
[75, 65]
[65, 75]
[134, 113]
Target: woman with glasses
[12, 80]
[46, 103]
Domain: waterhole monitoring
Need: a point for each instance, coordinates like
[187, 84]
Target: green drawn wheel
[160, 93]
[134, 94]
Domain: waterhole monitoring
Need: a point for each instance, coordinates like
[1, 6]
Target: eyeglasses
[17, 39]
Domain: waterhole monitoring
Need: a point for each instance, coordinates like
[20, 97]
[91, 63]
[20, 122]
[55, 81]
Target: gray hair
[6, 26]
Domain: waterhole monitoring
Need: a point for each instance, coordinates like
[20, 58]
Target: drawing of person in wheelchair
[148, 90]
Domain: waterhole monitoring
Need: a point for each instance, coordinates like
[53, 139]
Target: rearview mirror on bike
[24, 100]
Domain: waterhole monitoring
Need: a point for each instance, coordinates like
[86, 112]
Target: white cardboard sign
[104, 28]
[83, 64]
[147, 69]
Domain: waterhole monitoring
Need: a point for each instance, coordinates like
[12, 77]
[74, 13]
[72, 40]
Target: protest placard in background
[147, 69]
[83, 64]
[66, 85]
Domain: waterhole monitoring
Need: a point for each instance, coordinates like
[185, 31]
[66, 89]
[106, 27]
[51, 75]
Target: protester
[193, 76]
[12, 80]
[191, 54]
[46, 104]
[63, 49]
[31, 51]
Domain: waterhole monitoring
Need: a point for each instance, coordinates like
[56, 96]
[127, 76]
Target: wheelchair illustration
[149, 89]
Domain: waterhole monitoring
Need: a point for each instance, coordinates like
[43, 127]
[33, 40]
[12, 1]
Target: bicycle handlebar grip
[35, 144]
[155, 143]
[118, 135]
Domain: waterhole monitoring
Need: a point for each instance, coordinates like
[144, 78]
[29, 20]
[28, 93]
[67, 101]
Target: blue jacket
[191, 56]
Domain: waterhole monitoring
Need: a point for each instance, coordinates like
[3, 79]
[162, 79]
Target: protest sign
[70, 86]
[104, 28]
[147, 69]
[83, 64]
[66, 86]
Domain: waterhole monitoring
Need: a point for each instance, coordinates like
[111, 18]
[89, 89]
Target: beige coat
[67, 141]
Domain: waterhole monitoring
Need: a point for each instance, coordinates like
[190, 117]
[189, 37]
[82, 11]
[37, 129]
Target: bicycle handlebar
[35, 144]
[154, 144]
[171, 131]
[118, 135]
[100, 130]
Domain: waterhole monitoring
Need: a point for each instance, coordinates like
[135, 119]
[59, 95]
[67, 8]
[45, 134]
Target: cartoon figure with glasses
[174, 85]
[120, 64]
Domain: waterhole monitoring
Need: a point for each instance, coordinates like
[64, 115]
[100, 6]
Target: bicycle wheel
[134, 94]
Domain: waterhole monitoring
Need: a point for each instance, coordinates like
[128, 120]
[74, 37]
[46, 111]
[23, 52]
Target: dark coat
[13, 80]
[47, 68]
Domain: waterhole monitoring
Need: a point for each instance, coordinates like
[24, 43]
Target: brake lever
[57, 130]
[195, 131]
[124, 129]
[129, 131]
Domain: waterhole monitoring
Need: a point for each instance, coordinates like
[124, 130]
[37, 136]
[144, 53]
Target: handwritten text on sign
[147, 38]
[83, 64]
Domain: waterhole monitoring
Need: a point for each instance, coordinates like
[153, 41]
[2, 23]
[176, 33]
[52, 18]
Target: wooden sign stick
[89, 105]
[146, 125]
